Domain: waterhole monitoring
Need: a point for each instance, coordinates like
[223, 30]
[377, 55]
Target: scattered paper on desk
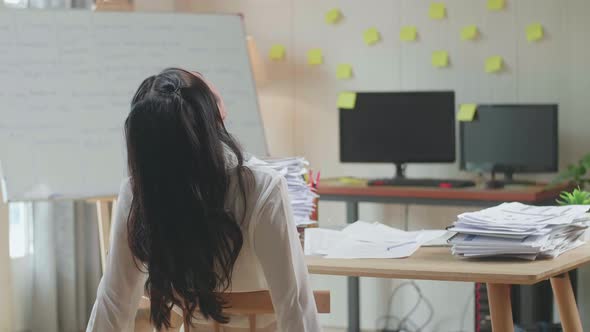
[437, 11]
[350, 249]
[319, 240]
[534, 32]
[277, 52]
[371, 36]
[377, 232]
[496, 4]
[408, 33]
[333, 16]
[344, 71]
[467, 112]
[469, 32]
[494, 64]
[347, 100]
[366, 240]
[440, 59]
[315, 57]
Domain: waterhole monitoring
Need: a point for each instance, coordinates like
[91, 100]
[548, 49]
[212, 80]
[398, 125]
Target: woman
[194, 219]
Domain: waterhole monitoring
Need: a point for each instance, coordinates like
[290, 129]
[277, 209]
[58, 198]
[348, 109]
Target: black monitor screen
[399, 127]
[517, 138]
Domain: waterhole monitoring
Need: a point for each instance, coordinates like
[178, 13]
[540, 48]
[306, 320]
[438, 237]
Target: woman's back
[195, 220]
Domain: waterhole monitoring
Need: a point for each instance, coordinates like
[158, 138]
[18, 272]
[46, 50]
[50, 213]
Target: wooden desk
[352, 195]
[439, 264]
[332, 190]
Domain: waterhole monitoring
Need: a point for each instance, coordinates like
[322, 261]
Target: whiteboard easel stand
[105, 210]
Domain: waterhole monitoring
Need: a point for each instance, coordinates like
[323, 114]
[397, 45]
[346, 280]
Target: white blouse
[271, 258]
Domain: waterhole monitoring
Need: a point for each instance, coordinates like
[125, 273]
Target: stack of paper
[301, 194]
[519, 230]
[366, 240]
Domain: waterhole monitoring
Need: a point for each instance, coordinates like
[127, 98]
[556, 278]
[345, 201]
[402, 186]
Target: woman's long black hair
[178, 225]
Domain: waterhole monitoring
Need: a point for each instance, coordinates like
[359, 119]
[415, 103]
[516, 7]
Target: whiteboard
[67, 79]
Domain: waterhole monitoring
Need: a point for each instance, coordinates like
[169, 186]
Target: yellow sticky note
[437, 11]
[534, 32]
[371, 36]
[466, 112]
[469, 32]
[494, 64]
[277, 52]
[347, 100]
[496, 4]
[440, 59]
[333, 16]
[315, 57]
[408, 33]
[344, 71]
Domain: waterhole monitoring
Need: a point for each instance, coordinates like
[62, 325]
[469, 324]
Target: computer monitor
[399, 128]
[510, 139]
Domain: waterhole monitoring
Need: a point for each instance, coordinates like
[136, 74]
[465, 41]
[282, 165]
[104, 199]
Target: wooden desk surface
[438, 264]
[525, 194]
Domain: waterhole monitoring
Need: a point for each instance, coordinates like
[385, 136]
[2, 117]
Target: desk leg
[500, 307]
[566, 303]
[354, 322]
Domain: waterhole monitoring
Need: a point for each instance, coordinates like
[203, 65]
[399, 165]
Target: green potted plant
[576, 197]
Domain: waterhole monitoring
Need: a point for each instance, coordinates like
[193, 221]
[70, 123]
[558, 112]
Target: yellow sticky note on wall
[440, 59]
[333, 16]
[344, 71]
[347, 100]
[469, 32]
[466, 112]
[315, 57]
[437, 11]
[408, 33]
[494, 64]
[496, 4]
[277, 52]
[534, 32]
[371, 36]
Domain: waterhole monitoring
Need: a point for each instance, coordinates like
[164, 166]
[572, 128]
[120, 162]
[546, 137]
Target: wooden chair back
[247, 304]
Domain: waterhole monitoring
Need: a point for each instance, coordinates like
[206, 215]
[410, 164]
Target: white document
[351, 249]
[366, 240]
[379, 233]
[319, 240]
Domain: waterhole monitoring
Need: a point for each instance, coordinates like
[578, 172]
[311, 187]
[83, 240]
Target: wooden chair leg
[566, 303]
[252, 321]
[500, 307]
[216, 327]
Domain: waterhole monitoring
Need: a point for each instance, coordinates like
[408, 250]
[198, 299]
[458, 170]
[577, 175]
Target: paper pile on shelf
[301, 194]
[366, 240]
[520, 231]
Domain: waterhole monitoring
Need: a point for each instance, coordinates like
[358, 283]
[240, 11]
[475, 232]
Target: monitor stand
[400, 171]
[508, 180]
[400, 180]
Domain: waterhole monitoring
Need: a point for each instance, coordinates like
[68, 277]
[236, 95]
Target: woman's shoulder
[264, 177]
